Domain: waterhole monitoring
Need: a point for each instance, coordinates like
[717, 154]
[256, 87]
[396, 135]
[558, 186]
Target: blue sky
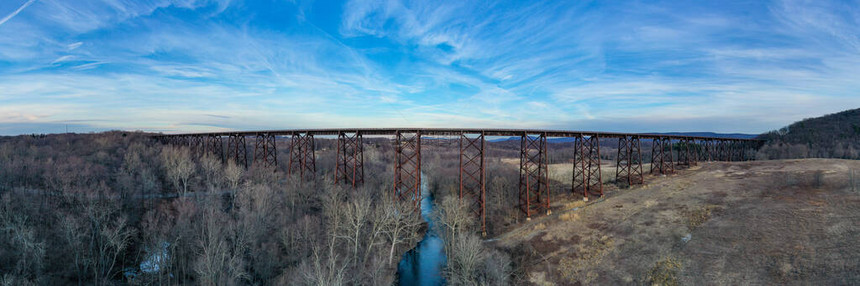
[175, 66]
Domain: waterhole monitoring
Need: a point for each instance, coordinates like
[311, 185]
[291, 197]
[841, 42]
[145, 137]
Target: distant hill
[834, 135]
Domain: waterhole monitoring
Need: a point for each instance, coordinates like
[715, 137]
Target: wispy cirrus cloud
[217, 65]
[16, 11]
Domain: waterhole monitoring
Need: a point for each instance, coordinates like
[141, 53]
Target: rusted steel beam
[578, 182]
[587, 177]
[534, 180]
[265, 150]
[198, 145]
[693, 152]
[622, 168]
[636, 154]
[750, 150]
[704, 150]
[407, 166]
[594, 180]
[738, 148]
[472, 175]
[302, 156]
[725, 153]
[719, 148]
[730, 147]
[237, 150]
[349, 168]
[628, 168]
[192, 144]
[683, 159]
[712, 150]
[215, 146]
[661, 156]
[730, 151]
[295, 165]
[686, 153]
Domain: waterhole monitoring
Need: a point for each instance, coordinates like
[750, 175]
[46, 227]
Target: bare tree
[258, 211]
[112, 240]
[108, 238]
[212, 171]
[12, 280]
[178, 166]
[324, 269]
[496, 268]
[219, 261]
[401, 225]
[16, 229]
[298, 237]
[233, 173]
[376, 232]
[453, 218]
[324, 266]
[464, 260]
[73, 235]
[468, 259]
[97, 235]
[355, 216]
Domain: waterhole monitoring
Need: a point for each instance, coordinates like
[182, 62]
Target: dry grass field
[746, 223]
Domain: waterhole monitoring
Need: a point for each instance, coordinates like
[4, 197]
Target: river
[423, 264]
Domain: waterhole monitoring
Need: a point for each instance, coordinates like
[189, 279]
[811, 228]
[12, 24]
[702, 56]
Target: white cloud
[75, 45]
[15, 13]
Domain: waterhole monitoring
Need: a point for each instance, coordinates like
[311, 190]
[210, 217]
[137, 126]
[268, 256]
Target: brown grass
[697, 216]
[581, 266]
[665, 272]
[746, 220]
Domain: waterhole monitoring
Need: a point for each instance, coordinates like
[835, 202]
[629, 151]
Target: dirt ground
[745, 223]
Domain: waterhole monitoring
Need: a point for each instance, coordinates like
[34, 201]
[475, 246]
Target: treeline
[831, 136]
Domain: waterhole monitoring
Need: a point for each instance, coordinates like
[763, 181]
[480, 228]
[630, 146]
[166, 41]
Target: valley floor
[762, 222]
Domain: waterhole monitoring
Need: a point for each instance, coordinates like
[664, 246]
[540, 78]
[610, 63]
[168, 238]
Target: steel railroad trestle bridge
[534, 194]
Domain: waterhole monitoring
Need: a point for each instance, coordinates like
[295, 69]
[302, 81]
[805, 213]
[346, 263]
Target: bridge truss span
[668, 153]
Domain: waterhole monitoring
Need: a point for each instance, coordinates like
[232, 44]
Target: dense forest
[121, 208]
[831, 136]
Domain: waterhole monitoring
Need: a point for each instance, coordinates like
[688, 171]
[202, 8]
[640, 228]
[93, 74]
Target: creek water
[423, 264]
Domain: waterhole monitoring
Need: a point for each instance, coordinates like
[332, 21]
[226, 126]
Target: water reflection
[423, 264]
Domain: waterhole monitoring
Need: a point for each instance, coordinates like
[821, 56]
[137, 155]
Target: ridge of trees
[834, 135]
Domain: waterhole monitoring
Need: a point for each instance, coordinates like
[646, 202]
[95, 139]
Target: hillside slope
[831, 136]
[760, 223]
